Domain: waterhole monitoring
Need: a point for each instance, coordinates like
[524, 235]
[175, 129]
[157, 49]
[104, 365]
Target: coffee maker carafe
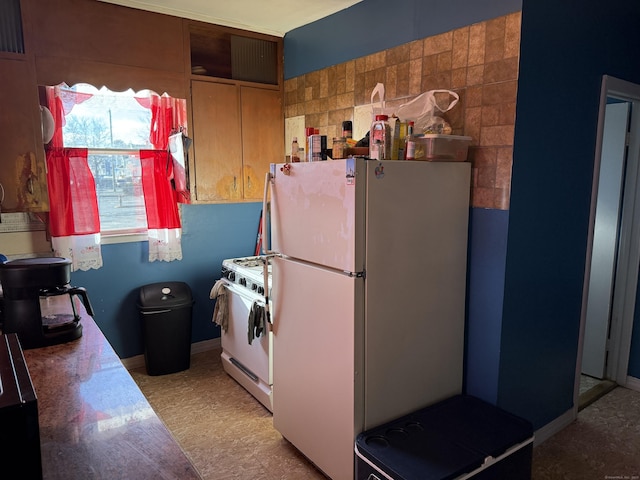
[39, 304]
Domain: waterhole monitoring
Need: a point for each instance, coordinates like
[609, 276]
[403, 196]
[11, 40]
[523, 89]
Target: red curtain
[72, 191]
[159, 197]
[168, 115]
[60, 101]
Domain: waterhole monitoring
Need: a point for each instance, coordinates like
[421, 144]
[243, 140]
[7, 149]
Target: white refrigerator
[369, 277]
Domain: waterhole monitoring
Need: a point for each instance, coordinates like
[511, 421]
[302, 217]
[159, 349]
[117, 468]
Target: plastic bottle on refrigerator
[295, 151]
[409, 144]
[380, 138]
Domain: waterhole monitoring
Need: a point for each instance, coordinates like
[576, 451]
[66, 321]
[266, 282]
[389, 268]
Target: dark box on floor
[458, 438]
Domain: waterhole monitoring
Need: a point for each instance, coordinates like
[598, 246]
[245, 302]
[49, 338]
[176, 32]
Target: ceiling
[273, 17]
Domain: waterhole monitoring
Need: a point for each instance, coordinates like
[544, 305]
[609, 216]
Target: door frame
[626, 275]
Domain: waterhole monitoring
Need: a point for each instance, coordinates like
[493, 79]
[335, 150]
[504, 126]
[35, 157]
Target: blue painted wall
[374, 25]
[564, 53]
[487, 248]
[211, 233]
[526, 266]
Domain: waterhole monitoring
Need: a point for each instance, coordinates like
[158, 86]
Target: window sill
[108, 239]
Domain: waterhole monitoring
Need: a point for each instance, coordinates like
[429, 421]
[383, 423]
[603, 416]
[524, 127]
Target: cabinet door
[262, 137]
[217, 141]
[22, 175]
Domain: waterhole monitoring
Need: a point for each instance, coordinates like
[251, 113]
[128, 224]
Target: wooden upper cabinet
[217, 141]
[262, 136]
[228, 53]
[237, 132]
[236, 111]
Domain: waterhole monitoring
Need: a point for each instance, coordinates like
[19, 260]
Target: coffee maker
[40, 306]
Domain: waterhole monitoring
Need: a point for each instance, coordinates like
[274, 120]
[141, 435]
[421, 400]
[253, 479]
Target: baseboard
[205, 346]
[633, 383]
[551, 428]
[137, 361]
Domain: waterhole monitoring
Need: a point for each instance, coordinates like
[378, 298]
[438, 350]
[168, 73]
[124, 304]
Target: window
[114, 126]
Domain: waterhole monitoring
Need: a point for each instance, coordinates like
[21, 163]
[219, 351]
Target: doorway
[611, 274]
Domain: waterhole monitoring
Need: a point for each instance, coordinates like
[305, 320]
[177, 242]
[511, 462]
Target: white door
[317, 327]
[314, 213]
[605, 240]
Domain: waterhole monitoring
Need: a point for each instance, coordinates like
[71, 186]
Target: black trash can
[165, 311]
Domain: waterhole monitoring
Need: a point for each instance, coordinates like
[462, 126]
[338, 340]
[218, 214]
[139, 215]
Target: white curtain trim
[164, 244]
[84, 251]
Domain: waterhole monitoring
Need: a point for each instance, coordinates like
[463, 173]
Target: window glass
[113, 126]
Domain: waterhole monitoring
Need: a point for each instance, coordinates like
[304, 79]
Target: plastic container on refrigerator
[437, 147]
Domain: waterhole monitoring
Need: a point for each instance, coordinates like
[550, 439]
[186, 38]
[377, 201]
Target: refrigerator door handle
[266, 246]
[266, 238]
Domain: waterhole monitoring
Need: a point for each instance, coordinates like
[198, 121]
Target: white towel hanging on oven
[221, 309]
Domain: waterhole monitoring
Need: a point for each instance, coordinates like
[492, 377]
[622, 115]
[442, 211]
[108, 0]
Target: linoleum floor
[228, 434]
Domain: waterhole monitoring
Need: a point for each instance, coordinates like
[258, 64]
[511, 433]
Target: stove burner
[247, 272]
[249, 262]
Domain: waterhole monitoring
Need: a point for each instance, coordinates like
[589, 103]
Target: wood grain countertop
[95, 423]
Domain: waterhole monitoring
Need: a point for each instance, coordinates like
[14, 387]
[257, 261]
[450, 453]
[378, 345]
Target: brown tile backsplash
[479, 62]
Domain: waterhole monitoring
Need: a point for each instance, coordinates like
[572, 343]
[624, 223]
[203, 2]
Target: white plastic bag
[379, 107]
[423, 111]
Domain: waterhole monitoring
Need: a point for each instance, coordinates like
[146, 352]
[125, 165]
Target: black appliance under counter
[19, 432]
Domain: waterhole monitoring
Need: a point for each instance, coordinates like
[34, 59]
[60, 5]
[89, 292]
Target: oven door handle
[244, 293]
[251, 297]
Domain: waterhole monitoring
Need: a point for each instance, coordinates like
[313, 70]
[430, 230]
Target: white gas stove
[247, 361]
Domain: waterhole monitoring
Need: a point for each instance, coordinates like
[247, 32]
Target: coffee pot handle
[82, 292]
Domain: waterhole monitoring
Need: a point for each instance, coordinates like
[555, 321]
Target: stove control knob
[254, 286]
[260, 290]
[232, 276]
[243, 282]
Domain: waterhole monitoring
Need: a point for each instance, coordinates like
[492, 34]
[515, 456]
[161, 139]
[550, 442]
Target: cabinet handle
[249, 181]
[30, 185]
[235, 183]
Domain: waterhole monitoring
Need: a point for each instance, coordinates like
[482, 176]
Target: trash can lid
[163, 295]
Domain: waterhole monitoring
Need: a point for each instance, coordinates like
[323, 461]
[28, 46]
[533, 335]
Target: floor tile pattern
[228, 434]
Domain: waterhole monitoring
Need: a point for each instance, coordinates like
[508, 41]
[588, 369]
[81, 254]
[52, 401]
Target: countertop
[95, 423]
